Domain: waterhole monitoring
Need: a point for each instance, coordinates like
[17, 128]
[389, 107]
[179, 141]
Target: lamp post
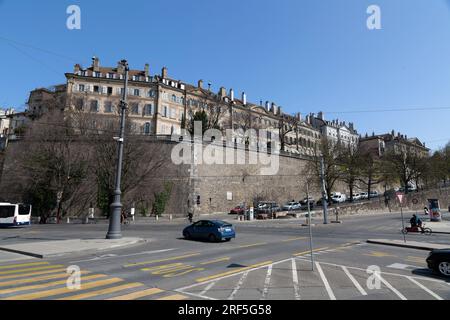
[114, 231]
[324, 191]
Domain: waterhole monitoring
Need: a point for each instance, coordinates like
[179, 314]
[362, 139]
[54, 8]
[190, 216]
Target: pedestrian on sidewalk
[426, 211]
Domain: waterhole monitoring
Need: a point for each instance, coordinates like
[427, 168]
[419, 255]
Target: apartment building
[158, 104]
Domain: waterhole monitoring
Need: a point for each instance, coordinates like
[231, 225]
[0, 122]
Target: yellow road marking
[233, 271]
[54, 292]
[174, 297]
[309, 251]
[165, 266]
[170, 275]
[293, 239]
[137, 295]
[215, 261]
[103, 291]
[23, 275]
[161, 260]
[49, 284]
[31, 269]
[253, 245]
[36, 279]
[23, 265]
[169, 270]
[378, 254]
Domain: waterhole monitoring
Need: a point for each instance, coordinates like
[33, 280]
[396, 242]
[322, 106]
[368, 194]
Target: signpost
[310, 230]
[400, 197]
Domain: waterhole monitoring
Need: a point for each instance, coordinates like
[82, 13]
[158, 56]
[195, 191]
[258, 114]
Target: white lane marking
[295, 280]
[383, 272]
[267, 282]
[238, 286]
[194, 295]
[387, 284]
[325, 282]
[109, 256]
[437, 297]
[357, 285]
[402, 266]
[231, 275]
[209, 286]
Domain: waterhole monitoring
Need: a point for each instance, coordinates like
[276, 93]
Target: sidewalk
[439, 227]
[46, 249]
[409, 244]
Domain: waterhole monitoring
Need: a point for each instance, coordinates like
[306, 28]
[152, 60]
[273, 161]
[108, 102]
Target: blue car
[212, 230]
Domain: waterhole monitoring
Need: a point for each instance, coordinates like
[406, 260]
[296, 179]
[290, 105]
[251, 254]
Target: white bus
[12, 215]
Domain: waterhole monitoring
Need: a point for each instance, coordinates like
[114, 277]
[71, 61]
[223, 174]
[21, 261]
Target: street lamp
[114, 231]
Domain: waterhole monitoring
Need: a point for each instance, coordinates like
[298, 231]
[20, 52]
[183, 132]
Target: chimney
[232, 95]
[299, 116]
[222, 92]
[77, 68]
[200, 84]
[120, 68]
[267, 106]
[244, 99]
[320, 115]
[280, 111]
[350, 125]
[164, 73]
[95, 64]
[147, 70]
[260, 103]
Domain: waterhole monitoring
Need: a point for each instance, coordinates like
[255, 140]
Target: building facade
[378, 145]
[159, 105]
[335, 130]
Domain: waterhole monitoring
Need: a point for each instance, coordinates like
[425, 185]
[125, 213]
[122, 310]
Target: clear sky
[305, 55]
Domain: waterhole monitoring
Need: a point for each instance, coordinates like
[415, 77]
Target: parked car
[356, 196]
[439, 261]
[212, 230]
[338, 197]
[240, 209]
[291, 206]
[364, 195]
[374, 194]
[267, 207]
[305, 202]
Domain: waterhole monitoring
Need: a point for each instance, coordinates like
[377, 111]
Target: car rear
[225, 231]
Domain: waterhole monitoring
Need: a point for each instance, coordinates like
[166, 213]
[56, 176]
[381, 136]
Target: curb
[88, 251]
[403, 245]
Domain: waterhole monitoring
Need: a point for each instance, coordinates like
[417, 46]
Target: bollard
[68, 220]
[170, 217]
[157, 217]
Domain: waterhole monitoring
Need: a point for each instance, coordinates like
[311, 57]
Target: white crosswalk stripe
[332, 281]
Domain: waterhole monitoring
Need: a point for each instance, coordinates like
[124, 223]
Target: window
[136, 92]
[174, 98]
[108, 107]
[147, 128]
[94, 106]
[148, 109]
[173, 113]
[151, 94]
[110, 91]
[165, 111]
[96, 89]
[79, 104]
[135, 108]
[81, 88]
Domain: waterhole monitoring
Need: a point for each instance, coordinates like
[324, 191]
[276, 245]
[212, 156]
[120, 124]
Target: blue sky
[305, 55]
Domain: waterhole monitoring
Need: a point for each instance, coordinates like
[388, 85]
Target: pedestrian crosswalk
[45, 281]
[295, 279]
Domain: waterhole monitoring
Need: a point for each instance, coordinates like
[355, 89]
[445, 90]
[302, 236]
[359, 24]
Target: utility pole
[324, 191]
[114, 231]
[310, 226]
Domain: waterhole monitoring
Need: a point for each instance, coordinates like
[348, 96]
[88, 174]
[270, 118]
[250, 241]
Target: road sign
[400, 197]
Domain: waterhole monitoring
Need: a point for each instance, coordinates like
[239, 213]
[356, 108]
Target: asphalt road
[268, 260]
